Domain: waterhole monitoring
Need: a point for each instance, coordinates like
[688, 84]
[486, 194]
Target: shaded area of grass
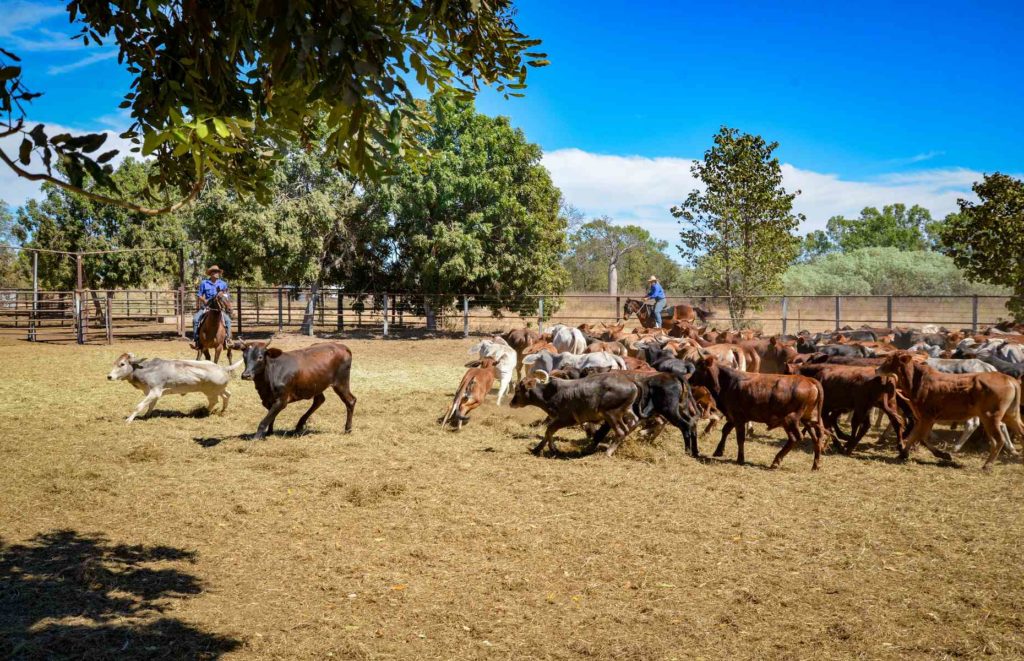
[67, 595]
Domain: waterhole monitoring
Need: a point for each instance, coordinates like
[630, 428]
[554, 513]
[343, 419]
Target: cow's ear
[131, 358]
[774, 341]
[274, 353]
[905, 358]
[473, 363]
[709, 360]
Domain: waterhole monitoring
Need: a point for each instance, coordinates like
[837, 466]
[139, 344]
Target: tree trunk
[307, 318]
[613, 277]
[431, 314]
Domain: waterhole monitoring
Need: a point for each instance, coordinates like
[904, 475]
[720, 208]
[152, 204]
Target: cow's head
[899, 364]
[123, 367]
[783, 351]
[256, 355]
[706, 374]
[528, 389]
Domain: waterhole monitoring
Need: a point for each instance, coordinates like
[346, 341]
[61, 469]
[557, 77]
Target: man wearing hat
[208, 289]
[657, 295]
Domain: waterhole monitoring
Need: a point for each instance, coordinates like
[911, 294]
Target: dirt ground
[175, 537]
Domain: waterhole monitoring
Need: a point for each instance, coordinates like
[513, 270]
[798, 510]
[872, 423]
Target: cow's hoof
[775, 466]
[987, 468]
[944, 456]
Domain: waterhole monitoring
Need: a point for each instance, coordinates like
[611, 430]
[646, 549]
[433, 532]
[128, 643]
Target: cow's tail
[643, 405]
[741, 359]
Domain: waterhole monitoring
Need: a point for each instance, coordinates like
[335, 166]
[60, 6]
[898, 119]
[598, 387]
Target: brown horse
[679, 312]
[212, 334]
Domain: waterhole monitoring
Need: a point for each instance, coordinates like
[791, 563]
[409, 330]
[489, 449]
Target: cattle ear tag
[274, 353]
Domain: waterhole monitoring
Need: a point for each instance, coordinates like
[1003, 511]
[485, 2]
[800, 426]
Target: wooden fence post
[465, 315]
[540, 314]
[80, 307]
[785, 310]
[238, 321]
[385, 315]
[888, 311]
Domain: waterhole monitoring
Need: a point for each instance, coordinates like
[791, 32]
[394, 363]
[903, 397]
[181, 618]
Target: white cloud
[84, 62]
[20, 15]
[21, 32]
[640, 190]
[15, 190]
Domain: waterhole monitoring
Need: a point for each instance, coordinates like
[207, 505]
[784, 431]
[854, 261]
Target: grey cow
[549, 362]
[157, 377]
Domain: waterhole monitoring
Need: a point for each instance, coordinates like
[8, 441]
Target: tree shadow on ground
[213, 441]
[66, 595]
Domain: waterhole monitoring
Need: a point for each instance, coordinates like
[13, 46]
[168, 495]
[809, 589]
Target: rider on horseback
[657, 294]
[208, 290]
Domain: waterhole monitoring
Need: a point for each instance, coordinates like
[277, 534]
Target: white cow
[504, 359]
[157, 377]
[566, 338]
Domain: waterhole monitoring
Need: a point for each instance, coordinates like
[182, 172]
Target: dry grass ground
[177, 538]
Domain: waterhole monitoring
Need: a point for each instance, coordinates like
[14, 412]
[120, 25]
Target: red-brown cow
[472, 391]
[520, 339]
[284, 377]
[776, 400]
[938, 397]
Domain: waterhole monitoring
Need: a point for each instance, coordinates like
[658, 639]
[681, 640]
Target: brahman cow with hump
[157, 377]
[282, 377]
[776, 400]
[934, 396]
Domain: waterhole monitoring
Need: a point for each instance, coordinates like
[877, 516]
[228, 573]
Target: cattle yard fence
[91, 316]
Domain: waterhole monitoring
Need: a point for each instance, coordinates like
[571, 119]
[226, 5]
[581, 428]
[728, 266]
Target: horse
[212, 334]
[679, 312]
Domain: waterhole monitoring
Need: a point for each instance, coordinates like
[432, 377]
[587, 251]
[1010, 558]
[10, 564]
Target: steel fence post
[385, 315]
[888, 311]
[974, 313]
[238, 324]
[785, 307]
[280, 309]
[465, 315]
[839, 312]
[107, 318]
[540, 314]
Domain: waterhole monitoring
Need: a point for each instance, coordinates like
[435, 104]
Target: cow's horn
[543, 376]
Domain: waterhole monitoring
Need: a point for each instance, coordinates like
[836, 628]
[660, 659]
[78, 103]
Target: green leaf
[220, 127]
[25, 152]
[202, 130]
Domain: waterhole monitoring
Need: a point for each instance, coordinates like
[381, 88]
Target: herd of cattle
[613, 381]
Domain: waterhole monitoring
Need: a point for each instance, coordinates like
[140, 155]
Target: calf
[777, 400]
[600, 398]
[937, 397]
[472, 390]
[519, 339]
[282, 377]
[156, 377]
[609, 347]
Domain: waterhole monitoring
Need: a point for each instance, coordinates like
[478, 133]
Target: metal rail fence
[107, 315]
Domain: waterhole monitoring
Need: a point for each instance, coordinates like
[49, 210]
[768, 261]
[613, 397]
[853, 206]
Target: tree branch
[146, 211]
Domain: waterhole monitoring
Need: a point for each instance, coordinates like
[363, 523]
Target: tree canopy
[599, 249]
[737, 230]
[225, 87]
[481, 216]
[70, 222]
[986, 238]
[895, 226]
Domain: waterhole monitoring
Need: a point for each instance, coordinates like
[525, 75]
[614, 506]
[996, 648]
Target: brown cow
[935, 396]
[284, 377]
[609, 347]
[772, 355]
[519, 339]
[776, 400]
[472, 390]
[858, 389]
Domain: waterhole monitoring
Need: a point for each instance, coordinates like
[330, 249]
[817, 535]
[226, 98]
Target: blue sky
[871, 102]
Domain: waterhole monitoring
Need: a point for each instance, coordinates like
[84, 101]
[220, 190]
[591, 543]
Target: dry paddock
[176, 537]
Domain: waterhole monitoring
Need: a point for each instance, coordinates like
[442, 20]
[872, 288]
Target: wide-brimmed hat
[213, 269]
[653, 278]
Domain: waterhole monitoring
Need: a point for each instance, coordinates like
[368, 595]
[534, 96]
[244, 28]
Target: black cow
[664, 360]
[851, 350]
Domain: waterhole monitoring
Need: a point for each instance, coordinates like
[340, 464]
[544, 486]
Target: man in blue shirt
[657, 294]
[208, 288]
